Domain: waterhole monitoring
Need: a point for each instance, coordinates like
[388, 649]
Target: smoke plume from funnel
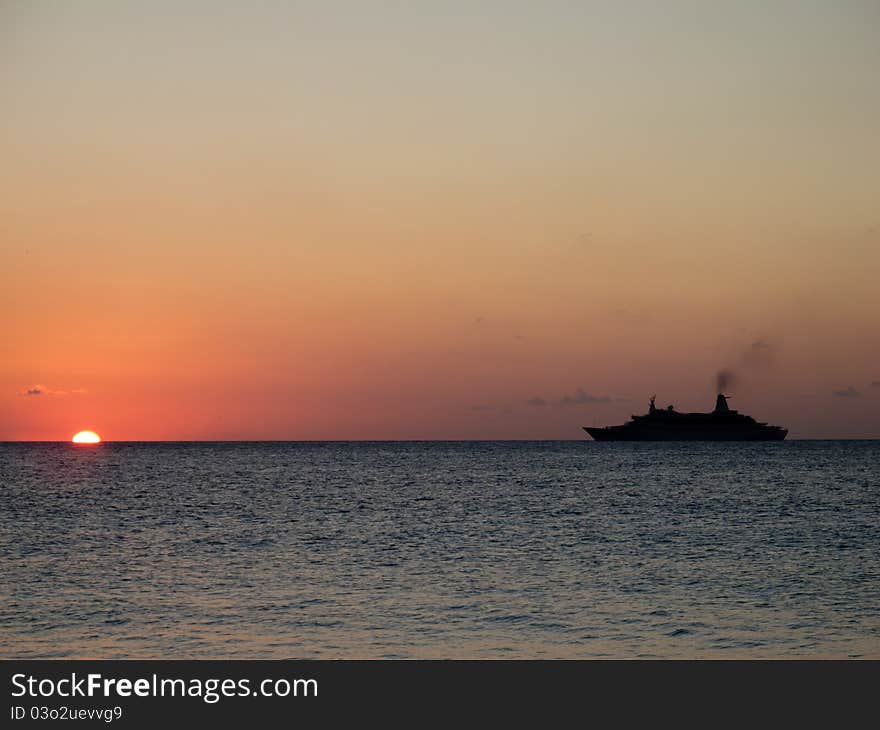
[724, 380]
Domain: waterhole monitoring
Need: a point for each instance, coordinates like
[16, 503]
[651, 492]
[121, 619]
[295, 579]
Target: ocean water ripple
[430, 550]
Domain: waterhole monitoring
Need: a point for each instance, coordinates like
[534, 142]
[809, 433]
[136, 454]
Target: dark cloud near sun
[848, 392]
[43, 390]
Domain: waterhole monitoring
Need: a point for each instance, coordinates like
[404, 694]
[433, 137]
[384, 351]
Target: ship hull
[684, 433]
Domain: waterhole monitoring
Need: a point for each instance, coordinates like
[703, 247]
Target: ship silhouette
[722, 424]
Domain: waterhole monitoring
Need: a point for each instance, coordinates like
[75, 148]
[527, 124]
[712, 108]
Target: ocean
[440, 550]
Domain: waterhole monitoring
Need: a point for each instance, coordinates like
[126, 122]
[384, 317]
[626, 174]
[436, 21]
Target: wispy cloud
[848, 392]
[758, 354]
[35, 390]
[580, 397]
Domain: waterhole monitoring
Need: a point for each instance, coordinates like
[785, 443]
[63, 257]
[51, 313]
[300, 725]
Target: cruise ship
[667, 424]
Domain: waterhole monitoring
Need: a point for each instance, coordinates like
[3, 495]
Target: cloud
[581, 398]
[482, 408]
[578, 399]
[758, 354]
[875, 383]
[848, 392]
[43, 390]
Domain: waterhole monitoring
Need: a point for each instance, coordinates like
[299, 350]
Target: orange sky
[219, 222]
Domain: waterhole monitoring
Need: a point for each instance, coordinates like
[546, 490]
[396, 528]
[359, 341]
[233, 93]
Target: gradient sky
[424, 220]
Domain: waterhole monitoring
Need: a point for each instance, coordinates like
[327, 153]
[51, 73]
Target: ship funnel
[721, 404]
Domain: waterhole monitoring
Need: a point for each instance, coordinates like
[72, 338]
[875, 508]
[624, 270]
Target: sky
[436, 220]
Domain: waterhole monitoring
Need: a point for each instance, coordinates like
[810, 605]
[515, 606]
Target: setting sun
[86, 437]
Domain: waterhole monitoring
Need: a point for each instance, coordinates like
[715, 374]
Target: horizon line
[398, 440]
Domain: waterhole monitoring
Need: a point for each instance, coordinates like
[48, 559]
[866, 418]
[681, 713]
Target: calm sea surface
[466, 549]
